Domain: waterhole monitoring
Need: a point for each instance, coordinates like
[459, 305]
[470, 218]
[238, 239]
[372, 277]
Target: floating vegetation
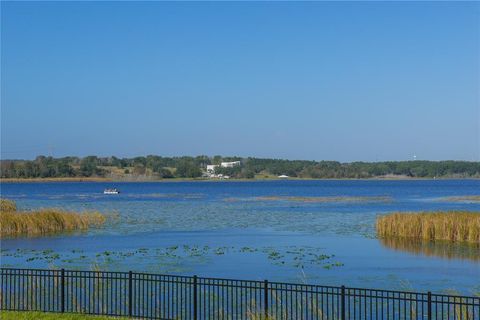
[326, 199]
[471, 198]
[43, 221]
[454, 226]
[332, 265]
[299, 257]
[169, 259]
[220, 251]
[166, 196]
[442, 249]
[274, 255]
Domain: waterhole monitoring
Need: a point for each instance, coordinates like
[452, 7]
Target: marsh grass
[43, 221]
[475, 198]
[7, 205]
[326, 199]
[453, 226]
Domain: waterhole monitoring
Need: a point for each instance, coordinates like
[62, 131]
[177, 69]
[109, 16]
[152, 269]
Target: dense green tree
[165, 173]
[186, 168]
[191, 167]
[88, 167]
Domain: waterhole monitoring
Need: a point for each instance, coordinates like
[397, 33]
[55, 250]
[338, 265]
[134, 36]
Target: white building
[211, 168]
[229, 164]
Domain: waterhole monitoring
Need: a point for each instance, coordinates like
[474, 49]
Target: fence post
[342, 301]
[195, 306]
[429, 306]
[62, 290]
[130, 298]
[265, 296]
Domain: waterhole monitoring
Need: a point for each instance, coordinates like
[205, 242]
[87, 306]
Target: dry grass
[44, 221]
[455, 226]
[7, 205]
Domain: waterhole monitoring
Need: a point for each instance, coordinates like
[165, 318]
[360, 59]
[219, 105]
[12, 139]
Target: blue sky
[339, 81]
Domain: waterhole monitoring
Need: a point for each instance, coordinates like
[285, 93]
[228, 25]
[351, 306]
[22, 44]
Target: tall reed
[455, 226]
[7, 205]
[43, 221]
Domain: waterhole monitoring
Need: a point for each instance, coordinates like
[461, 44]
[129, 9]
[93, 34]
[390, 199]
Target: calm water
[226, 229]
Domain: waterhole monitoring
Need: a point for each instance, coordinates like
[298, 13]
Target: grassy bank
[31, 315]
[454, 226]
[15, 223]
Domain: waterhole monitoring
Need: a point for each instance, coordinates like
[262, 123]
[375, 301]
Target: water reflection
[441, 249]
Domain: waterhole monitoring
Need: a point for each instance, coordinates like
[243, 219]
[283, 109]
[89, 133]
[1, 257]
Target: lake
[315, 232]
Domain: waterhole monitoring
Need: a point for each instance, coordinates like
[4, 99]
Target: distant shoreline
[113, 180]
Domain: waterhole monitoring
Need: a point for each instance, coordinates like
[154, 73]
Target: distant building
[211, 168]
[229, 164]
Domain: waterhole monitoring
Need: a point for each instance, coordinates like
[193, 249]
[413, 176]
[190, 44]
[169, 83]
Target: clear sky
[317, 81]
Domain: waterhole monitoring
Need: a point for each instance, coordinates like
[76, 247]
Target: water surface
[309, 231]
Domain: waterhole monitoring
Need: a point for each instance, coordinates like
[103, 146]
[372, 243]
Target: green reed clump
[455, 226]
[43, 221]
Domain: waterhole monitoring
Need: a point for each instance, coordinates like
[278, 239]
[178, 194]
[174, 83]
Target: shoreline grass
[453, 226]
[7, 205]
[15, 223]
[34, 315]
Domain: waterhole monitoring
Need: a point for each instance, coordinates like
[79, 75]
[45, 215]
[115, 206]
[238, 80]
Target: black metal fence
[153, 296]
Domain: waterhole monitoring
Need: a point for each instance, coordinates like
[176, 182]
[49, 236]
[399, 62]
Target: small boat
[111, 191]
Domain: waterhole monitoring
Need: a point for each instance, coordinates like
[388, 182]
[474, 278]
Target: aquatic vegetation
[182, 258]
[298, 257]
[326, 199]
[470, 198]
[44, 221]
[332, 265]
[7, 205]
[274, 255]
[454, 226]
[220, 251]
[181, 196]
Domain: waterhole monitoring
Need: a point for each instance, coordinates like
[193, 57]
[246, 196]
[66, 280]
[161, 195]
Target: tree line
[158, 167]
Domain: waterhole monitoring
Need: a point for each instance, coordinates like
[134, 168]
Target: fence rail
[154, 296]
